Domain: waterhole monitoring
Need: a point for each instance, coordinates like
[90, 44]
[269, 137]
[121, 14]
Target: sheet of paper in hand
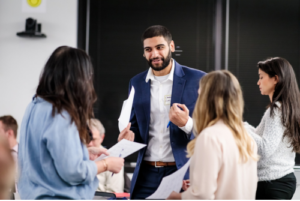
[126, 110]
[122, 149]
[170, 183]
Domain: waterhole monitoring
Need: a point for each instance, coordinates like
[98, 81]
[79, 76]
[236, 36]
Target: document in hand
[17, 196]
[122, 149]
[126, 110]
[170, 183]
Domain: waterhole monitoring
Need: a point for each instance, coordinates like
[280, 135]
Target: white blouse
[276, 156]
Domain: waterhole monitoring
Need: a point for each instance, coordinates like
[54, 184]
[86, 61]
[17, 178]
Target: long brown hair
[221, 98]
[286, 92]
[67, 83]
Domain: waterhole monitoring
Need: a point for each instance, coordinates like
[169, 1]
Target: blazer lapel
[146, 107]
[178, 84]
[177, 90]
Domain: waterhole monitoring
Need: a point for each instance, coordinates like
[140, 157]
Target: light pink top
[215, 171]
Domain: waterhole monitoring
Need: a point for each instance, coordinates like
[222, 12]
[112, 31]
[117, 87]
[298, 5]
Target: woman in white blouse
[223, 156]
[277, 135]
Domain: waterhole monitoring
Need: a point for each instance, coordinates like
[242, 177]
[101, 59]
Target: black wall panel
[260, 29]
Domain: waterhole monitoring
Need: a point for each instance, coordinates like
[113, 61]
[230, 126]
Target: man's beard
[166, 62]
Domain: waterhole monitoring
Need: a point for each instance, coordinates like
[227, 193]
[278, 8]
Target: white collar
[150, 75]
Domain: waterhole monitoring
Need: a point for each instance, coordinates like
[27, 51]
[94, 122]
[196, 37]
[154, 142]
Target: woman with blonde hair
[223, 155]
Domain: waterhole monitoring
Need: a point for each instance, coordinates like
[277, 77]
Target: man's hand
[126, 134]
[95, 152]
[174, 196]
[179, 114]
[185, 184]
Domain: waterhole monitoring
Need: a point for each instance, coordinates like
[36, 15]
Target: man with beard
[165, 96]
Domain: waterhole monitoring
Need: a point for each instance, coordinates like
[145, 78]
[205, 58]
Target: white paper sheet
[17, 196]
[126, 110]
[170, 183]
[122, 149]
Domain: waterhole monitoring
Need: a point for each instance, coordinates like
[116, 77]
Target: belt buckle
[157, 165]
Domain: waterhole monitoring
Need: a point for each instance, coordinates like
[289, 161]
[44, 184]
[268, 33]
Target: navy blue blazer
[184, 91]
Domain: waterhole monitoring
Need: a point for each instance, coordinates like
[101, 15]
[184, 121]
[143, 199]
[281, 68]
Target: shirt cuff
[188, 127]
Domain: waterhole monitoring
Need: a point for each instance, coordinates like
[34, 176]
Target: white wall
[297, 193]
[22, 59]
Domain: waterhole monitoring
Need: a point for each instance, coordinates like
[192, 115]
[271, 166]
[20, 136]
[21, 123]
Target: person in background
[223, 155]
[107, 182]
[9, 129]
[7, 173]
[53, 158]
[278, 134]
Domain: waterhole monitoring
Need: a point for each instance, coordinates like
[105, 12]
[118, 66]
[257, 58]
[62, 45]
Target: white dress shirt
[14, 152]
[111, 183]
[159, 147]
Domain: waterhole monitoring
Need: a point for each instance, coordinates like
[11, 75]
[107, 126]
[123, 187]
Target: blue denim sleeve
[70, 156]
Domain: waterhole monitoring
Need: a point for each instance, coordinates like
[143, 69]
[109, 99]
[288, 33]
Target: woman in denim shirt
[53, 159]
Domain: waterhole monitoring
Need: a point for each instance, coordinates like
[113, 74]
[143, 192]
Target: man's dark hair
[157, 30]
[10, 123]
[67, 83]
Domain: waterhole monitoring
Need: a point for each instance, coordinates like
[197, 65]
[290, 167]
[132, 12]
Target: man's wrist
[188, 127]
[186, 121]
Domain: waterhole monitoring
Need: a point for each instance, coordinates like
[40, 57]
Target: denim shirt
[53, 162]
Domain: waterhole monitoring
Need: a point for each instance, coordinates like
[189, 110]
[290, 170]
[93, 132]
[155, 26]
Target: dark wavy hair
[67, 83]
[286, 92]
